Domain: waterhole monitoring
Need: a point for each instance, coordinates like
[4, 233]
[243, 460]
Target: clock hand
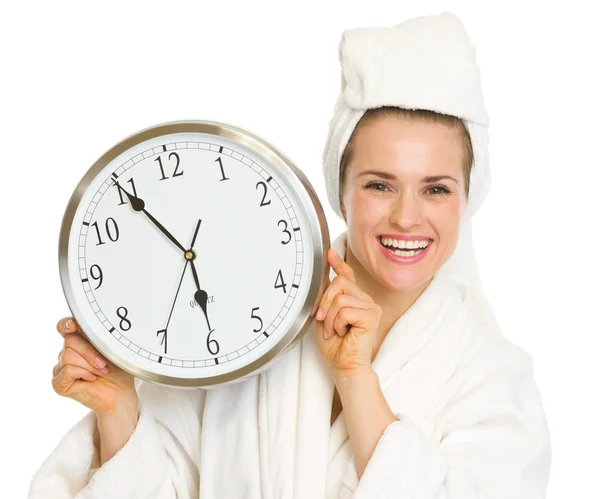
[178, 287]
[172, 307]
[200, 296]
[196, 232]
[138, 205]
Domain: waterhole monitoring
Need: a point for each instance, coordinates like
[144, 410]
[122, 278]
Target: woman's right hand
[78, 376]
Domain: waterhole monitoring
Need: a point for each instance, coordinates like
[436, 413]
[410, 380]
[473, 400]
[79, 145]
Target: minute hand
[138, 205]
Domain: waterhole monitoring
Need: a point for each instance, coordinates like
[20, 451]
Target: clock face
[190, 256]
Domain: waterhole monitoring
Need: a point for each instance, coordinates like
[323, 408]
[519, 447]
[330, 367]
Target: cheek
[447, 222]
[449, 212]
[365, 209]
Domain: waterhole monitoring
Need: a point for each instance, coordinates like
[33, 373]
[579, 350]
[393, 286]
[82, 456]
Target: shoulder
[489, 352]
[499, 356]
[497, 382]
[490, 363]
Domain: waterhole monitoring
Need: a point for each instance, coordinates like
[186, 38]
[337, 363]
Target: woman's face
[386, 192]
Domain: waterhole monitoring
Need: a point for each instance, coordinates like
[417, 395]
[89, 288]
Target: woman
[403, 386]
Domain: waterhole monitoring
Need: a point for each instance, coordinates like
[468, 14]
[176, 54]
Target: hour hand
[200, 296]
[138, 205]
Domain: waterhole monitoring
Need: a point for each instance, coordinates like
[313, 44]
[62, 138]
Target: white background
[77, 78]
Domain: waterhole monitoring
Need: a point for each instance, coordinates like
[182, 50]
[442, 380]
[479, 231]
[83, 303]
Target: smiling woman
[404, 385]
[406, 167]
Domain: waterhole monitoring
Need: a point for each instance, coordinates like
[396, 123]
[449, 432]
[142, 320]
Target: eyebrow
[390, 176]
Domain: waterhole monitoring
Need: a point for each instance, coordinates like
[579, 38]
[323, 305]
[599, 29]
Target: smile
[402, 251]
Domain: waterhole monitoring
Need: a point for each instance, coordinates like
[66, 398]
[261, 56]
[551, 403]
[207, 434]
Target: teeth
[406, 253]
[401, 244]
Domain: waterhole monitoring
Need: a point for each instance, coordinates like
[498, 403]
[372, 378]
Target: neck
[392, 302]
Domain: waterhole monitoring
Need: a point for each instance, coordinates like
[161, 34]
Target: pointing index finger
[339, 265]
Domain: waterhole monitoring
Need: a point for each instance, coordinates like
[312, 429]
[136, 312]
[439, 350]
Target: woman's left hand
[350, 320]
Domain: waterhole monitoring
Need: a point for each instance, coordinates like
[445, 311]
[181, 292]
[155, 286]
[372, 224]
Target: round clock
[193, 254]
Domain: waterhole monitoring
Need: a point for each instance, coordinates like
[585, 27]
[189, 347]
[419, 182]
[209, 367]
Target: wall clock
[193, 254]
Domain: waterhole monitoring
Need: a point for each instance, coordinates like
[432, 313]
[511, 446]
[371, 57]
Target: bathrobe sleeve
[160, 459]
[494, 442]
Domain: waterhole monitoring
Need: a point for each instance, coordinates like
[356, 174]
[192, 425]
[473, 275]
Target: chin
[404, 281]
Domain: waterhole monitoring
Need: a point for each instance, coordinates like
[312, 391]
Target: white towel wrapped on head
[426, 62]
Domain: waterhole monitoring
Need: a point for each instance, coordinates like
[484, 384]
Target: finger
[67, 325]
[335, 324]
[72, 357]
[321, 338]
[351, 319]
[61, 325]
[339, 265]
[92, 359]
[68, 356]
[66, 379]
[56, 369]
[316, 305]
[340, 284]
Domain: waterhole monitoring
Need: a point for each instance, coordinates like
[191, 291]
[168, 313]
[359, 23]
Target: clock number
[286, 231]
[121, 193]
[164, 338]
[124, 319]
[96, 277]
[262, 203]
[252, 316]
[209, 341]
[282, 285]
[222, 172]
[108, 231]
[162, 171]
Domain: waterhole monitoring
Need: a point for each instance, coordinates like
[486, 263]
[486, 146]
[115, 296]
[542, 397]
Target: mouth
[405, 249]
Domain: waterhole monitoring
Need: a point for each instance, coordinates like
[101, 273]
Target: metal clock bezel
[317, 230]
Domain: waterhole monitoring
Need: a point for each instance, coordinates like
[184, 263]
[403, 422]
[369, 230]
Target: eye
[376, 186]
[440, 190]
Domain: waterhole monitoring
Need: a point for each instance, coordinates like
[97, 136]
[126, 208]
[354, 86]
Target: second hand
[189, 257]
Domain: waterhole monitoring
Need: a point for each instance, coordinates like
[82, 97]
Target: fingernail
[68, 324]
[333, 253]
[324, 334]
[104, 370]
[320, 314]
[100, 362]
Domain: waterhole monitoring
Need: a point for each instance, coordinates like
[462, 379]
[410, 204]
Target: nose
[406, 210]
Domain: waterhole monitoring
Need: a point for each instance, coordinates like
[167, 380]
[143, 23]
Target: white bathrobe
[470, 425]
